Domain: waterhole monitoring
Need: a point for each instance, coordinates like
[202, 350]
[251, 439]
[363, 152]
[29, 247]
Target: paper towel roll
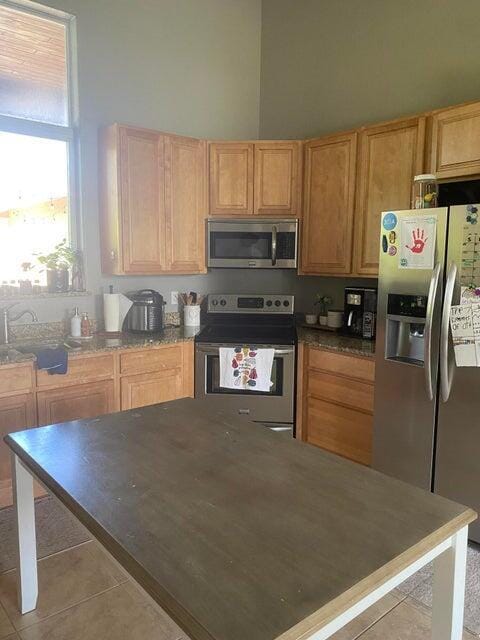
[115, 308]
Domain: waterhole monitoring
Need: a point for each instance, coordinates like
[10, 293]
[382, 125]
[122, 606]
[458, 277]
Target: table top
[236, 531]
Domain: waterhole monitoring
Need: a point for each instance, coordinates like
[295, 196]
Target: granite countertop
[333, 341]
[170, 335]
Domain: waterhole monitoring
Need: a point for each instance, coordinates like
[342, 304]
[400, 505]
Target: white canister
[191, 315]
[335, 319]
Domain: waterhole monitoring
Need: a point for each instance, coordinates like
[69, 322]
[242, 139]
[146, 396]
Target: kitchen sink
[35, 347]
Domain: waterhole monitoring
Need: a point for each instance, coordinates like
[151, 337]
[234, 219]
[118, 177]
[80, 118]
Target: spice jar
[424, 191]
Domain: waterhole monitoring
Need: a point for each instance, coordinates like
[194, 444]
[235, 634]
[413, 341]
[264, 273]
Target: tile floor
[84, 595]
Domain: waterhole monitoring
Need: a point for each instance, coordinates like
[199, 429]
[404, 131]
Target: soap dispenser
[76, 324]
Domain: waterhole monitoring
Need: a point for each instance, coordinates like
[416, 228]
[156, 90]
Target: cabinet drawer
[152, 359]
[15, 378]
[80, 369]
[151, 388]
[358, 395]
[340, 430]
[345, 365]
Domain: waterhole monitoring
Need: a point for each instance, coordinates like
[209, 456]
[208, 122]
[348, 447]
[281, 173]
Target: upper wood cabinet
[455, 141]
[255, 178]
[390, 155]
[151, 185]
[328, 204]
[231, 178]
[185, 204]
[278, 178]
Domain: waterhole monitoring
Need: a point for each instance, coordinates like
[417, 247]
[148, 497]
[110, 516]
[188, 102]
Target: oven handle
[210, 350]
[274, 245]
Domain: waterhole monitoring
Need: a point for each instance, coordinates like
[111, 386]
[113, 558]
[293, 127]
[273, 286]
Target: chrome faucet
[6, 318]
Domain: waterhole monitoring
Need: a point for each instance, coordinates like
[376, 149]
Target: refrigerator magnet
[389, 221]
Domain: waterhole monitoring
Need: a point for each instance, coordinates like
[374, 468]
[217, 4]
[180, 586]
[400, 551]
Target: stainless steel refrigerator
[427, 410]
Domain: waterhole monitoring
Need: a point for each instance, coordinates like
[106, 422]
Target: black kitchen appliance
[146, 313]
[360, 311]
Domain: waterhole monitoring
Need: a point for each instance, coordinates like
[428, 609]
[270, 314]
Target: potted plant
[57, 263]
[323, 302]
[26, 282]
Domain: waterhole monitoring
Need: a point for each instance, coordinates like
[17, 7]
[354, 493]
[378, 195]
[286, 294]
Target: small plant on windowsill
[323, 302]
[57, 264]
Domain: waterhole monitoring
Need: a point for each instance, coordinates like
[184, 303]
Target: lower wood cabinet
[335, 402]
[95, 384]
[149, 388]
[76, 402]
[16, 413]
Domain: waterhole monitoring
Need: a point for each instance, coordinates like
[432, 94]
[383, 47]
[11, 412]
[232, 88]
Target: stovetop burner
[249, 319]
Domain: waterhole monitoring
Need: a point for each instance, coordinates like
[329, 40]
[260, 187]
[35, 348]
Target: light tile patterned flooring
[84, 595]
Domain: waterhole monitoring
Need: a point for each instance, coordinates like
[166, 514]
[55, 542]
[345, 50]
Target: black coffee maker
[360, 312]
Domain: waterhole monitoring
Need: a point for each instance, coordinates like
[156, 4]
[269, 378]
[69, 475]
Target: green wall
[329, 65]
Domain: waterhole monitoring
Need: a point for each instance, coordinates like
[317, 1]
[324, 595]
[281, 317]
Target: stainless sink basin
[35, 347]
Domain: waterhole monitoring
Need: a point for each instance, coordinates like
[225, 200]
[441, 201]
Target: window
[37, 145]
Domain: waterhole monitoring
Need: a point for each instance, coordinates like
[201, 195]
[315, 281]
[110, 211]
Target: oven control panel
[250, 303]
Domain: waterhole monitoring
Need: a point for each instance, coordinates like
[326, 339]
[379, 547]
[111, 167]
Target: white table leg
[449, 589]
[27, 546]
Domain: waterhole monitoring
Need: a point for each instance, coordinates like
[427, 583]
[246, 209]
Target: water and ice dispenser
[405, 328]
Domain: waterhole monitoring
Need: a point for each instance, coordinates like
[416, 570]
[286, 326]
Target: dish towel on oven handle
[246, 368]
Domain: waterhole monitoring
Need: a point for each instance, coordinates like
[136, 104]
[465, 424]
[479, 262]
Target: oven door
[274, 407]
[248, 244]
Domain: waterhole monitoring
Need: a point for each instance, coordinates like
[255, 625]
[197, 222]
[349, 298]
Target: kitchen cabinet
[389, 156]
[335, 402]
[95, 384]
[330, 164]
[72, 403]
[455, 141]
[156, 375]
[151, 185]
[255, 178]
[149, 388]
[231, 178]
[185, 204]
[278, 178]
[16, 412]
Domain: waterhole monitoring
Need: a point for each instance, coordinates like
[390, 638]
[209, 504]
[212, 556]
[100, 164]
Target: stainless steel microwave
[247, 243]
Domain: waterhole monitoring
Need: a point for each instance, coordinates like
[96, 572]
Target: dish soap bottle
[76, 324]
[86, 328]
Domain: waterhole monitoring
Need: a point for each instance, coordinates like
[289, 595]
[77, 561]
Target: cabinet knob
[113, 255]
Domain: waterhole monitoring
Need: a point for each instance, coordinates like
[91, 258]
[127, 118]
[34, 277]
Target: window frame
[66, 133]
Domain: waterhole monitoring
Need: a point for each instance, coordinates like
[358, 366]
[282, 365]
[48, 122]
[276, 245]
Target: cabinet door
[16, 412]
[277, 188]
[390, 155]
[455, 141]
[328, 204]
[75, 403]
[150, 388]
[231, 178]
[142, 201]
[185, 204]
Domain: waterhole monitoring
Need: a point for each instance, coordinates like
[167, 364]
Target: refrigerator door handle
[446, 372]
[432, 295]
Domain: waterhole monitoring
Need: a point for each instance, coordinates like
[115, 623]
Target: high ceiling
[31, 49]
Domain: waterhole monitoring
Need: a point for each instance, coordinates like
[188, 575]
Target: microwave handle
[274, 245]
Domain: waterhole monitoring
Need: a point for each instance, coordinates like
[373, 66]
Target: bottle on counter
[86, 327]
[76, 324]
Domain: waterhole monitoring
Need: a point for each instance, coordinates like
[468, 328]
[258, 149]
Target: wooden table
[237, 532]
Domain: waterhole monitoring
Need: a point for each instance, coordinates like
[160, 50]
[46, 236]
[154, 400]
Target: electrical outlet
[174, 297]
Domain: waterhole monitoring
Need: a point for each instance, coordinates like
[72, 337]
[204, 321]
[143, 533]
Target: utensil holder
[191, 315]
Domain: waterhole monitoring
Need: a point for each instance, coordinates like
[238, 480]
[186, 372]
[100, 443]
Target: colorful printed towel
[246, 368]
